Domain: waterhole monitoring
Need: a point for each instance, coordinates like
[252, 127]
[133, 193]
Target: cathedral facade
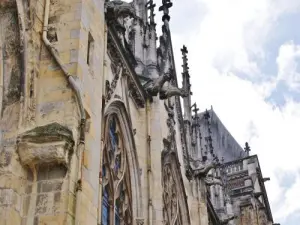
[96, 130]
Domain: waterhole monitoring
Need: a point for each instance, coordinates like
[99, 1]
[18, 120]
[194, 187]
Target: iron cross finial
[166, 4]
[150, 6]
[247, 148]
[195, 110]
[184, 52]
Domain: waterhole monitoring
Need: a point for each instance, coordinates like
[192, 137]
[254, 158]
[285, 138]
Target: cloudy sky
[244, 58]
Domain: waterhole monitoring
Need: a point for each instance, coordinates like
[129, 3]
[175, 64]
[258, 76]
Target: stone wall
[42, 191]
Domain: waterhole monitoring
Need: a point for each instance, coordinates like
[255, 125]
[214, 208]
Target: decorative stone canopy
[49, 144]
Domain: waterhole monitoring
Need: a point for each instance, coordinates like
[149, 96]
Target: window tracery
[116, 192]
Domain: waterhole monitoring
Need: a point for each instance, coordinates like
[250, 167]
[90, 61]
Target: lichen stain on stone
[57, 9]
[7, 4]
[10, 117]
[50, 132]
[5, 158]
[11, 63]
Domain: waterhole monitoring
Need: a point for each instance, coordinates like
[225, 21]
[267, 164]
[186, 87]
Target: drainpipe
[23, 48]
[76, 91]
[149, 163]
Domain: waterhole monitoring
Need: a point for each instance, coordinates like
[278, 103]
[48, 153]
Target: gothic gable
[175, 209]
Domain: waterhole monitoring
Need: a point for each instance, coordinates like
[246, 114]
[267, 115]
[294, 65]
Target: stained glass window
[117, 212]
[105, 207]
[115, 178]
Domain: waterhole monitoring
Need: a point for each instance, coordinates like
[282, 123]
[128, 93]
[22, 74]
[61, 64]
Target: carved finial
[216, 158]
[150, 6]
[166, 4]
[206, 115]
[247, 149]
[195, 110]
[186, 85]
[184, 52]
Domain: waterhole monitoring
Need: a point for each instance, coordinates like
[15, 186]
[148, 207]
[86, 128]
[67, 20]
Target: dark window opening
[90, 50]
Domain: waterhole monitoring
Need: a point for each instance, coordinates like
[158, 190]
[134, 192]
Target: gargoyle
[202, 171]
[170, 90]
[166, 148]
[121, 9]
[165, 91]
[210, 180]
[226, 220]
[156, 85]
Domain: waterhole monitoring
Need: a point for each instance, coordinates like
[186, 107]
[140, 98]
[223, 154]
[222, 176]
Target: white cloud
[288, 64]
[291, 205]
[232, 33]
[239, 104]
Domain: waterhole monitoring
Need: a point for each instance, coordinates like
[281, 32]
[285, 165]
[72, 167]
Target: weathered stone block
[50, 144]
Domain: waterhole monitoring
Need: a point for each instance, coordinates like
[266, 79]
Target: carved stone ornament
[154, 86]
[170, 141]
[188, 172]
[210, 180]
[226, 220]
[175, 207]
[49, 144]
[170, 211]
[203, 170]
[169, 90]
[165, 91]
[110, 88]
[119, 59]
[117, 14]
[170, 197]
[121, 8]
[135, 92]
[140, 221]
[175, 210]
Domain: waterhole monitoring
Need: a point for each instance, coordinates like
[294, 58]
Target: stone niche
[51, 144]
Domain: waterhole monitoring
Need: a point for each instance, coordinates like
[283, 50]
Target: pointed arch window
[116, 191]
